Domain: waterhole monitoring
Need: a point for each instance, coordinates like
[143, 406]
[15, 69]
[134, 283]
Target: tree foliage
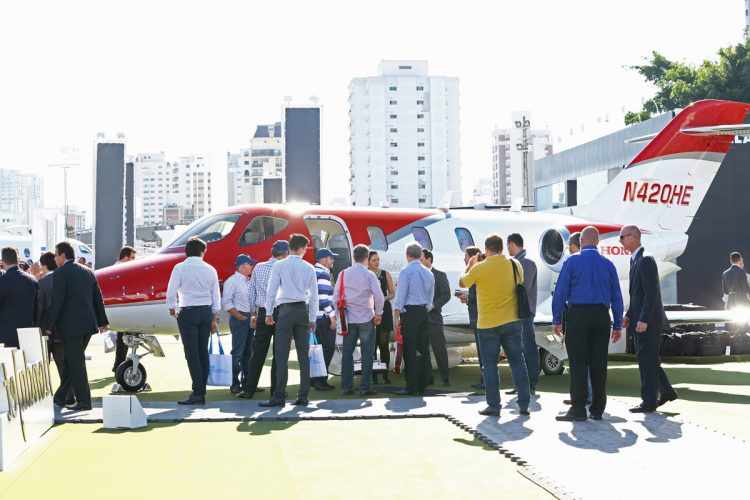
[678, 84]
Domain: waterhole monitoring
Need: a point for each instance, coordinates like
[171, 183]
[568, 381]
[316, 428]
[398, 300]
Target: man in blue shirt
[589, 286]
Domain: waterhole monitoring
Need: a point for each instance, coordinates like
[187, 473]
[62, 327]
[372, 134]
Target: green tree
[678, 84]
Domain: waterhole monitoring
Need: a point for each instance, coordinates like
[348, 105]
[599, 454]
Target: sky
[197, 77]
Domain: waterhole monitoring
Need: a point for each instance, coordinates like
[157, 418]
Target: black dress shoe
[642, 409]
[80, 407]
[596, 416]
[272, 404]
[567, 402]
[666, 399]
[569, 417]
[246, 395]
[235, 389]
[490, 412]
[524, 412]
[301, 402]
[193, 400]
[260, 389]
[322, 387]
[512, 392]
[368, 392]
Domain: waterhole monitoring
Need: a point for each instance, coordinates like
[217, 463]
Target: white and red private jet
[660, 191]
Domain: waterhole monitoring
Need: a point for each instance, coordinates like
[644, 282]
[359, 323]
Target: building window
[394, 172]
[404, 67]
[394, 200]
[392, 88]
[423, 200]
[422, 236]
[394, 144]
[420, 102]
[378, 241]
[420, 172]
[393, 102]
[464, 237]
[394, 186]
[420, 88]
[394, 130]
[420, 144]
[394, 158]
[420, 158]
[420, 129]
[420, 116]
[393, 117]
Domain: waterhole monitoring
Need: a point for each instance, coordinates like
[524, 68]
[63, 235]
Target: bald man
[645, 320]
[589, 286]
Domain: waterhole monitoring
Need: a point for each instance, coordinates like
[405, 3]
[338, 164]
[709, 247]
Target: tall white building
[20, 195]
[247, 170]
[160, 182]
[513, 153]
[747, 19]
[404, 138]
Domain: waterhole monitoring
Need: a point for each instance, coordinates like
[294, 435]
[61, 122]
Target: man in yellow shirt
[498, 323]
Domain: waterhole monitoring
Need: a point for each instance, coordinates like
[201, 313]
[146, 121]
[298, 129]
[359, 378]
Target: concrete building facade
[247, 169]
[404, 138]
[20, 195]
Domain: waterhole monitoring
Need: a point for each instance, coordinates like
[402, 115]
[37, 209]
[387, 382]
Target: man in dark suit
[734, 283]
[17, 299]
[435, 317]
[77, 313]
[645, 319]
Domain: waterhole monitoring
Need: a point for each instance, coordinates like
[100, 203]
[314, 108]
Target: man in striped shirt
[325, 325]
[263, 332]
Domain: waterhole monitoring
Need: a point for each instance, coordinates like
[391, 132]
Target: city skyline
[165, 86]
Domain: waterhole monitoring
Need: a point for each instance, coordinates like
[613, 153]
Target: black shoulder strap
[515, 272]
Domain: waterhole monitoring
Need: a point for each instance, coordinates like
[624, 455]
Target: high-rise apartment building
[247, 169]
[20, 195]
[404, 138]
[513, 153]
[302, 153]
[160, 182]
[747, 19]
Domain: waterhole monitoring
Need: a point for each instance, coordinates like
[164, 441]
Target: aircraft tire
[551, 364]
[130, 382]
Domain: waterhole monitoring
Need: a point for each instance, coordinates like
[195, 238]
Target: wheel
[551, 364]
[130, 380]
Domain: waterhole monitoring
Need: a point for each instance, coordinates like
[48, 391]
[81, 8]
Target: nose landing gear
[131, 374]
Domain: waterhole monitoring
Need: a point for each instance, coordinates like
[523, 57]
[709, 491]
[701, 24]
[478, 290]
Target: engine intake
[552, 249]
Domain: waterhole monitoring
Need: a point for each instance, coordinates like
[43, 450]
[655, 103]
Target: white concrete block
[123, 412]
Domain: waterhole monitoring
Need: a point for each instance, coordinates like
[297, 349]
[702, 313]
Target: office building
[160, 182]
[20, 195]
[514, 152]
[404, 138]
[247, 170]
[301, 159]
[747, 19]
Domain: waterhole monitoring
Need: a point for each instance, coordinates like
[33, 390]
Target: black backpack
[522, 299]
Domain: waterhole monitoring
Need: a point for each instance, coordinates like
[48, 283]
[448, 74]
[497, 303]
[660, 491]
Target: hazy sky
[196, 77]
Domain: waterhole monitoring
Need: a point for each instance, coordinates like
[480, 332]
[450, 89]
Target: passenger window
[262, 228]
[378, 241]
[210, 228]
[464, 238]
[422, 236]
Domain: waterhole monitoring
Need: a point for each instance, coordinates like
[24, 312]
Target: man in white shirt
[193, 298]
[236, 301]
[293, 287]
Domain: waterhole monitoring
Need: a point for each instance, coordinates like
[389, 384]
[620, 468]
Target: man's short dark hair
[297, 241]
[361, 253]
[48, 260]
[494, 243]
[195, 247]
[10, 255]
[66, 249]
[472, 251]
[516, 238]
[126, 252]
[428, 255]
[735, 257]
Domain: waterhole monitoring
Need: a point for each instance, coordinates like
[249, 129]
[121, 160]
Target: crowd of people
[285, 298]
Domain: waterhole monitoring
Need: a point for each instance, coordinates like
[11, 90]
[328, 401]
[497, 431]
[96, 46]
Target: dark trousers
[195, 329]
[75, 377]
[292, 324]
[587, 342]
[327, 338]
[121, 351]
[264, 334]
[654, 381]
[382, 346]
[416, 347]
[437, 342]
[57, 350]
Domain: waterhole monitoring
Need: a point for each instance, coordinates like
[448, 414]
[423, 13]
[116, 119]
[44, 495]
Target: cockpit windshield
[210, 228]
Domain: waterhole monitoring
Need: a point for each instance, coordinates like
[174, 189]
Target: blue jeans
[530, 351]
[510, 337]
[241, 335]
[365, 333]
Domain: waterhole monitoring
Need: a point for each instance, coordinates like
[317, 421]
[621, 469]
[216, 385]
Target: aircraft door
[328, 231]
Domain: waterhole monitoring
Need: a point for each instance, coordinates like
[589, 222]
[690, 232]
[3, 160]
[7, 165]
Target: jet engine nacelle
[552, 248]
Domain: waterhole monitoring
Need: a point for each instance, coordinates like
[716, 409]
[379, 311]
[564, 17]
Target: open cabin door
[328, 231]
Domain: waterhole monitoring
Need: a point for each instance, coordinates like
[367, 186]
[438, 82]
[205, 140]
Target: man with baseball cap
[236, 301]
[263, 331]
[325, 324]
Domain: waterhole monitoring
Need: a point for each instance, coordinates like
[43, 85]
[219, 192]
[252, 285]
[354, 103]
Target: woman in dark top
[384, 329]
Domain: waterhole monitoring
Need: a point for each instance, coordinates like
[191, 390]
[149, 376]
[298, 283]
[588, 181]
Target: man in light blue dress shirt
[415, 291]
[293, 287]
[193, 297]
[235, 301]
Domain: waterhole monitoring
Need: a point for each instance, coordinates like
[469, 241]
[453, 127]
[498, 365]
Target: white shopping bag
[317, 360]
[334, 368]
[219, 365]
[110, 341]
